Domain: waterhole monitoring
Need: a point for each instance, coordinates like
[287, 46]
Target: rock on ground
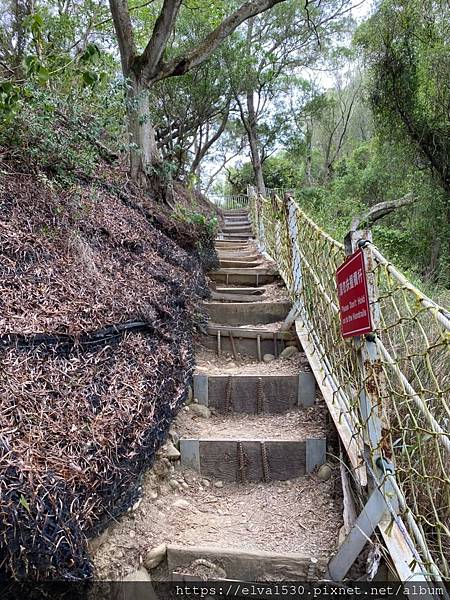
[200, 411]
[289, 352]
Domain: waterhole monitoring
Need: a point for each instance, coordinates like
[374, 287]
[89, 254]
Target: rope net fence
[410, 378]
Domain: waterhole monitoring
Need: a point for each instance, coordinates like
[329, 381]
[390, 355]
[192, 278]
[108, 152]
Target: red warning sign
[353, 296]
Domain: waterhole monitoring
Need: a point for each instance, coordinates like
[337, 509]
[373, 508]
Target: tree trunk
[309, 179]
[145, 159]
[252, 131]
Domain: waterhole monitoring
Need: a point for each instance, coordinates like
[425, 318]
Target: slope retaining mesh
[98, 311]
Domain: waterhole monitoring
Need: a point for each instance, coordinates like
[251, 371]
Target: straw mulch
[96, 319]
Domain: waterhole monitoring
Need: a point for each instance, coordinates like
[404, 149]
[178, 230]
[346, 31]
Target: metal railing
[402, 372]
[229, 202]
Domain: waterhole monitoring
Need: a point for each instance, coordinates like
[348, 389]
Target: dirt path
[180, 506]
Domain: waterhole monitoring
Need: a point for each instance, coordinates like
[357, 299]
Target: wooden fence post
[374, 423]
[297, 281]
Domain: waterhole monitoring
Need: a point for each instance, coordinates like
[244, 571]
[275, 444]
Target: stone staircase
[244, 322]
[240, 492]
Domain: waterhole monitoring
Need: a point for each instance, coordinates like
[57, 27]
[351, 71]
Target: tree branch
[124, 32]
[151, 57]
[381, 210]
[182, 64]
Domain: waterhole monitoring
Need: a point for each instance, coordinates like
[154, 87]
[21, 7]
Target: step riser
[231, 245]
[246, 566]
[257, 292]
[248, 346]
[239, 264]
[248, 256]
[236, 229]
[235, 237]
[250, 279]
[237, 224]
[235, 297]
[252, 342]
[248, 313]
[245, 461]
[255, 395]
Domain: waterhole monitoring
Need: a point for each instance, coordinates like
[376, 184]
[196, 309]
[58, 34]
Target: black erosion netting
[96, 320]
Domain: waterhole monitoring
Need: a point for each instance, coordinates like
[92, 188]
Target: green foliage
[413, 237]
[280, 171]
[197, 219]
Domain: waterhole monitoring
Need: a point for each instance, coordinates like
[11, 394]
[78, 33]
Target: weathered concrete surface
[247, 313]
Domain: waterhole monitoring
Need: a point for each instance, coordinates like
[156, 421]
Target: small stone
[139, 575]
[137, 504]
[186, 408]
[201, 411]
[181, 504]
[324, 472]
[289, 352]
[190, 477]
[267, 358]
[171, 452]
[95, 543]
[174, 437]
[232, 365]
[218, 484]
[195, 401]
[205, 483]
[155, 556]
[153, 495]
[132, 534]
[173, 483]
[184, 485]
[190, 396]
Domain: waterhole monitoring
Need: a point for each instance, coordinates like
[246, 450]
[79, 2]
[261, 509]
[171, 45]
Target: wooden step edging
[255, 394]
[250, 460]
[246, 565]
[253, 342]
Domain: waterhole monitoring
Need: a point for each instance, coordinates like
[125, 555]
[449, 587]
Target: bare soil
[298, 424]
[302, 515]
[207, 361]
[179, 506]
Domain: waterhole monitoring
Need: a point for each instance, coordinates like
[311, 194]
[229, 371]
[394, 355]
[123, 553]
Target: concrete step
[241, 290]
[238, 255]
[255, 394]
[252, 277]
[234, 212]
[247, 460]
[249, 313]
[244, 230]
[233, 245]
[225, 297]
[234, 237]
[238, 566]
[239, 264]
[237, 223]
[246, 340]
